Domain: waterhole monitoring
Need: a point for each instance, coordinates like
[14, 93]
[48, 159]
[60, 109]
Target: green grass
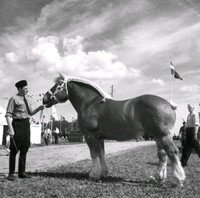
[129, 177]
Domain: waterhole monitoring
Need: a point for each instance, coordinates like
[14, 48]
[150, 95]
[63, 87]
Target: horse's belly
[121, 132]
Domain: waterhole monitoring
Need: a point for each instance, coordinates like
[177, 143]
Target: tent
[35, 129]
[3, 124]
[2, 116]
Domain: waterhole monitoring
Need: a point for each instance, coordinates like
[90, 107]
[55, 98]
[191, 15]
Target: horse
[101, 117]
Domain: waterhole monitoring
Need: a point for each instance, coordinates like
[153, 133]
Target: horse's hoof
[157, 180]
[94, 176]
[152, 178]
[181, 185]
[104, 174]
[178, 183]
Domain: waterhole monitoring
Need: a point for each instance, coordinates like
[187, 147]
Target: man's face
[24, 90]
[190, 108]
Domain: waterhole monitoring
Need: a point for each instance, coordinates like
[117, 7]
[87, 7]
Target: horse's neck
[80, 96]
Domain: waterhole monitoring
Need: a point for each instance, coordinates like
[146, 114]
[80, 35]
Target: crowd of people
[48, 134]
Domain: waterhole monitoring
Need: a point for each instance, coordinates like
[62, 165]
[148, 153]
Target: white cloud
[4, 79]
[190, 88]
[134, 72]
[11, 57]
[158, 81]
[159, 36]
[72, 46]
[46, 53]
[69, 57]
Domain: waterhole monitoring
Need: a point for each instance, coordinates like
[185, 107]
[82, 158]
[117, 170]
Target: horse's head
[57, 94]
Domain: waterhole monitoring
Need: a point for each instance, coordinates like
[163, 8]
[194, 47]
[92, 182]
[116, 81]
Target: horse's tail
[173, 105]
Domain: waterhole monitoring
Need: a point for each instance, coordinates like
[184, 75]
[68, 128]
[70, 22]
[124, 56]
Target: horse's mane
[87, 82]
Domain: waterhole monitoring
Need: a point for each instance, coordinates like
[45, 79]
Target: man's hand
[196, 131]
[41, 107]
[11, 133]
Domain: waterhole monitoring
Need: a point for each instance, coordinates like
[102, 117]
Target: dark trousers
[56, 138]
[190, 143]
[19, 143]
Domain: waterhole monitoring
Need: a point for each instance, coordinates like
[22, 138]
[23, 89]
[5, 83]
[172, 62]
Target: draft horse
[101, 117]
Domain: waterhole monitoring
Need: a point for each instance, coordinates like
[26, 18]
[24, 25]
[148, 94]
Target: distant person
[56, 133]
[46, 136]
[182, 133]
[191, 141]
[17, 117]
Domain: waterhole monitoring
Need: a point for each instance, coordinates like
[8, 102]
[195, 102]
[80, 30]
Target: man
[182, 133]
[56, 132]
[191, 142]
[46, 135]
[17, 117]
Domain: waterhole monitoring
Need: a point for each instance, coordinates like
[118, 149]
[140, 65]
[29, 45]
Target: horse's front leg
[99, 166]
[104, 167]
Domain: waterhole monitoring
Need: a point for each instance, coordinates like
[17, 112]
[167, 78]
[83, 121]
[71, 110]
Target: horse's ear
[61, 76]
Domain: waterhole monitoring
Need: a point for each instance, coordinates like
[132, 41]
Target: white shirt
[192, 120]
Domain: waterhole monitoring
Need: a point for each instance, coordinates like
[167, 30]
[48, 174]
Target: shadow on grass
[156, 163]
[67, 175]
[83, 176]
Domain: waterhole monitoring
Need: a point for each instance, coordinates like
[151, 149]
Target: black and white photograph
[99, 98]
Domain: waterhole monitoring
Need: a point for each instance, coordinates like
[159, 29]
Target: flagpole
[170, 76]
[170, 79]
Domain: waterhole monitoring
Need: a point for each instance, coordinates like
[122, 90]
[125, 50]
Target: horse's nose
[44, 100]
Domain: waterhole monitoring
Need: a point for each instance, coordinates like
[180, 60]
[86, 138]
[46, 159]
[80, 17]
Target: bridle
[59, 88]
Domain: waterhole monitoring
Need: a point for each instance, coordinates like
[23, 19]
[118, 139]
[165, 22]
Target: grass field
[129, 177]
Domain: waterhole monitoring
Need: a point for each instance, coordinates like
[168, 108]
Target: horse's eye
[58, 88]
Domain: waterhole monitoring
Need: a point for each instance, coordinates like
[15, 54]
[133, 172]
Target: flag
[173, 72]
[54, 113]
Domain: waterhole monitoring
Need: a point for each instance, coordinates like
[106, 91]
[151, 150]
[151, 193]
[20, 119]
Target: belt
[22, 119]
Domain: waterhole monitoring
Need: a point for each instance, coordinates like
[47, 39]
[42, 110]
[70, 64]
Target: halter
[58, 89]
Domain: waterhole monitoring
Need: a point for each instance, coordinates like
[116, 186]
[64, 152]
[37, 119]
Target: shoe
[11, 177]
[183, 165]
[24, 175]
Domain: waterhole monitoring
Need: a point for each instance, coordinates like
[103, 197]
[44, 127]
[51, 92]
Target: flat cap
[21, 84]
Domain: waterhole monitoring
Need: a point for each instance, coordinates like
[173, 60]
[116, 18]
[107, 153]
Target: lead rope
[15, 145]
[41, 116]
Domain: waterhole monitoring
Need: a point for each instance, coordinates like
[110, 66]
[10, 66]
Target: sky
[125, 43]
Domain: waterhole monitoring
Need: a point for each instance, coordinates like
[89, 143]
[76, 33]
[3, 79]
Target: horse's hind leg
[173, 154]
[161, 173]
